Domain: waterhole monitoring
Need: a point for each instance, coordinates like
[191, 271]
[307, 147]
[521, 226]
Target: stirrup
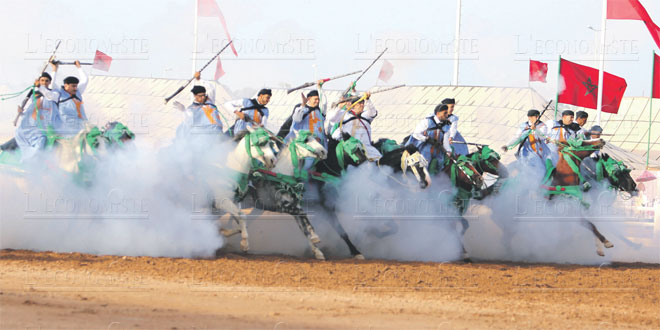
[586, 186]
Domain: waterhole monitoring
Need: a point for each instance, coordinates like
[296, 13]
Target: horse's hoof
[245, 246]
[319, 255]
[358, 257]
[314, 238]
[600, 252]
[467, 260]
[608, 244]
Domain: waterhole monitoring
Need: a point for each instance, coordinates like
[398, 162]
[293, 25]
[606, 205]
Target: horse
[78, 155]
[487, 160]
[566, 179]
[281, 189]
[402, 159]
[256, 148]
[616, 172]
[327, 173]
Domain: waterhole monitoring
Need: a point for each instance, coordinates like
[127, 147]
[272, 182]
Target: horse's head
[464, 175]
[117, 134]
[259, 145]
[307, 146]
[488, 160]
[582, 148]
[351, 152]
[413, 160]
[617, 173]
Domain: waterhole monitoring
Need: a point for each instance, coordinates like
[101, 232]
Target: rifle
[541, 115]
[363, 72]
[309, 84]
[27, 97]
[200, 70]
[57, 62]
[387, 89]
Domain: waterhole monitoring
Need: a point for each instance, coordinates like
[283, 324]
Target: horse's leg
[600, 239]
[238, 216]
[336, 225]
[308, 230]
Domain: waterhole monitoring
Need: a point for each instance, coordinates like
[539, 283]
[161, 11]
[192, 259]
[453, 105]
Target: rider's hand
[505, 149]
[240, 115]
[20, 110]
[77, 63]
[304, 99]
[368, 95]
[320, 82]
[198, 75]
[54, 66]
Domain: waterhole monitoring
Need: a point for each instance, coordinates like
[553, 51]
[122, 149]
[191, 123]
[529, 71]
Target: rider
[250, 112]
[202, 116]
[71, 117]
[37, 118]
[581, 119]
[431, 138]
[594, 133]
[529, 138]
[561, 132]
[310, 115]
[354, 120]
[459, 148]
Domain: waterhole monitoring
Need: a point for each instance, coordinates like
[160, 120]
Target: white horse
[281, 189]
[256, 148]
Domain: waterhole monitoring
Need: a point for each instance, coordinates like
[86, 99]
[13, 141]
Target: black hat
[46, 75]
[198, 89]
[265, 91]
[581, 114]
[533, 112]
[567, 113]
[71, 80]
[313, 93]
[596, 128]
[441, 107]
[448, 101]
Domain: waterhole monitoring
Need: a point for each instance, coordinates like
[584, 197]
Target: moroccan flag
[656, 77]
[102, 61]
[581, 87]
[219, 72]
[208, 8]
[538, 71]
[386, 71]
[633, 10]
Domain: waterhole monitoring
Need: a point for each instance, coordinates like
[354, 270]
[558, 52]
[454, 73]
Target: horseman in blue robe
[250, 112]
[431, 138]
[530, 139]
[562, 130]
[71, 117]
[202, 116]
[310, 116]
[38, 115]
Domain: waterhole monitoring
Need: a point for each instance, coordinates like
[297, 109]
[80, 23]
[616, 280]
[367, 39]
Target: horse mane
[238, 137]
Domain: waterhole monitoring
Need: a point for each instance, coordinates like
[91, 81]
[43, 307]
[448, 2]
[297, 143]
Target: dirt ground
[44, 290]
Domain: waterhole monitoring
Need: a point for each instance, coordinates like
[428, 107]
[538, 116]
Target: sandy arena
[73, 290]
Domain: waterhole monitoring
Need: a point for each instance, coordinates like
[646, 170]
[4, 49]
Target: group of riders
[56, 112]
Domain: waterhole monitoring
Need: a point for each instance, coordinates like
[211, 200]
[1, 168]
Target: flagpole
[558, 86]
[194, 53]
[458, 41]
[601, 71]
[648, 145]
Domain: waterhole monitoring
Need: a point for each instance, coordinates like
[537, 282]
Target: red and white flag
[386, 71]
[538, 71]
[102, 61]
[582, 87]
[208, 8]
[633, 10]
[219, 72]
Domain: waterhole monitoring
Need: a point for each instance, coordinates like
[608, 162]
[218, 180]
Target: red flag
[538, 71]
[219, 72]
[633, 9]
[656, 77]
[102, 61]
[582, 87]
[208, 8]
[386, 71]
